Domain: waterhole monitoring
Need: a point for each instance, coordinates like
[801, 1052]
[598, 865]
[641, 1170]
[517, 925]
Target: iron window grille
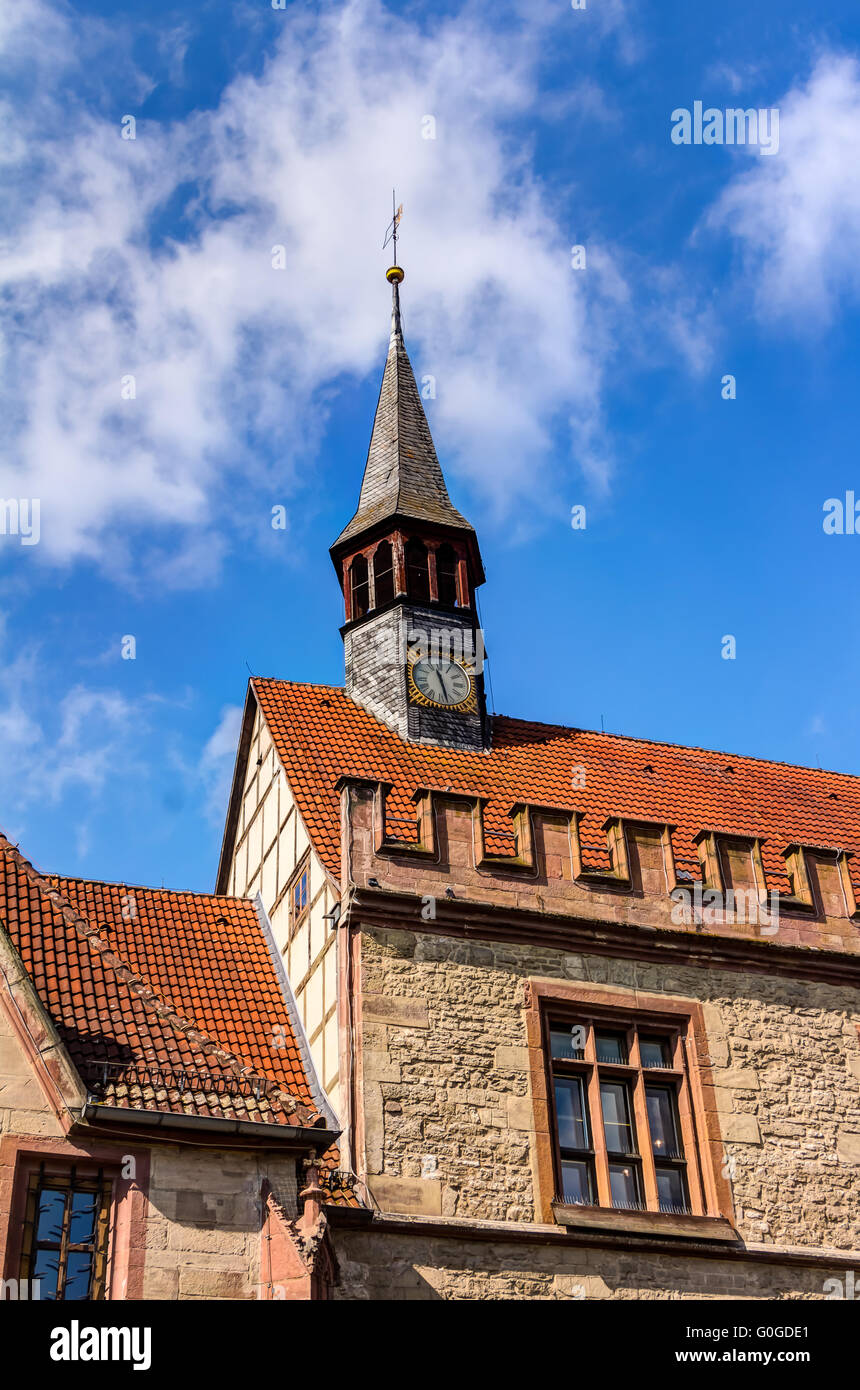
[66, 1231]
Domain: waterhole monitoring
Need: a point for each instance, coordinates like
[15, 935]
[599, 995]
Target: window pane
[576, 1182]
[624, 1185]
[52, 1204]
[78, 1270]
[446, 575]
[611, 1047]
[46, 1264]
[616, 1117]
[568, 1042]
[300, 893]
[661, 1121]
[383, 574]
[360, 587]
[82, 1223]
[671, 1190]
[654, 1052]
[570, 1110]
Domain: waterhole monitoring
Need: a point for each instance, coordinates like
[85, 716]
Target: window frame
[360, 596]
[297, 916]
[20, 1157]
[67, 1177]
[635, 1080]
[551, 1005]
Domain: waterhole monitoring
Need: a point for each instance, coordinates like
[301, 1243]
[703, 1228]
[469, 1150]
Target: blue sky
[555, 386]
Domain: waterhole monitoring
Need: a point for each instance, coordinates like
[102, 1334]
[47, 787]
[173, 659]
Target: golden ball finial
[394, 274]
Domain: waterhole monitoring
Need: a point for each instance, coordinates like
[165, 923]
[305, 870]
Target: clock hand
[433, 682]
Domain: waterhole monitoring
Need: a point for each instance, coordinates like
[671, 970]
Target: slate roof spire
[402, 476]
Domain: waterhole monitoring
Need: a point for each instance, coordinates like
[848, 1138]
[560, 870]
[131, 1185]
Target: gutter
[245, 1129]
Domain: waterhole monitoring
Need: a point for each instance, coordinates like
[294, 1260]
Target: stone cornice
[463, 918]
[529, 1233]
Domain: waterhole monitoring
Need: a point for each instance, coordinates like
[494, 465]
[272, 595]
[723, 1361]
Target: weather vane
[391, 234]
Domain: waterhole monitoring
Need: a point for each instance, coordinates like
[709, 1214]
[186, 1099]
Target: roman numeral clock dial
[441, 684]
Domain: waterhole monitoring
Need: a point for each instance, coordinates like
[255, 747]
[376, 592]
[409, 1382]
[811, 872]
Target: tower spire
[402, 476]
[409, 564]
[394, 274]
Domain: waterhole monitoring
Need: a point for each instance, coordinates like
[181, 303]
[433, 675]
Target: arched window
[360, 587]
[417, 571]
[383, 574]
[446, 575]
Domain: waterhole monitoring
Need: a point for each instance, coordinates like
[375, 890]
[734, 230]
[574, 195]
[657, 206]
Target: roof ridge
[600, 733]
[682, 747]
[148, 888]
[139, 987]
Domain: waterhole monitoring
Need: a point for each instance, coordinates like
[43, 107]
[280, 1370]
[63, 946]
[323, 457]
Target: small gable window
[383, 574]
[299, 896]
[360, 587]
[446, 575]
[418, 571]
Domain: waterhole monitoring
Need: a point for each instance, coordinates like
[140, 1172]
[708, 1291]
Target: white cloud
[69, 759]
[228, 352]
[795, 216]
[217, 760]
[75, 746]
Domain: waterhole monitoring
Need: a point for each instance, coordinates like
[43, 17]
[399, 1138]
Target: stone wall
[203, 1229]
[448, 1116]
[382, 1265]
[23, 1108]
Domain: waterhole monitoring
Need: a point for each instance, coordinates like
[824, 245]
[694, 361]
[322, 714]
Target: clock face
[445, 684]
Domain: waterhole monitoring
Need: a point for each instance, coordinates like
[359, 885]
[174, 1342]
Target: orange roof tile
[208, 957]
[320, 734]
[140, 1046]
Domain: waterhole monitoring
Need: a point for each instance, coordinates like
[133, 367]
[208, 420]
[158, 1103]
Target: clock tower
[409, 565]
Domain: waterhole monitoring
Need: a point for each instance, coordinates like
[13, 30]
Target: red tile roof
[142, 1008]
[321, 735]
[208, 957]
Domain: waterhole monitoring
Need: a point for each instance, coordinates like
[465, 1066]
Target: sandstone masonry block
[511, 1059]
[414, 1196]
[742, 1129]
[395, 1011]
